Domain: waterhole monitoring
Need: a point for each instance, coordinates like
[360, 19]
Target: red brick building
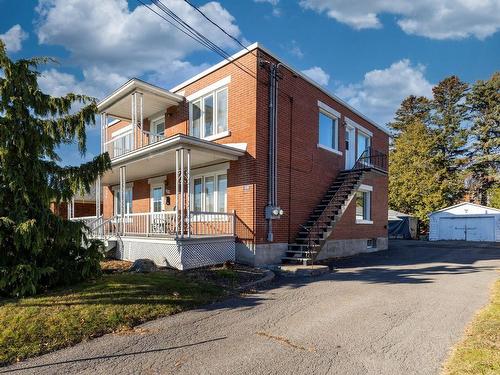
[229, 164]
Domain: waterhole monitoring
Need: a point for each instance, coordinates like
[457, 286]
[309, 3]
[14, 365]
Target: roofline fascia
[257, 45]
[138, 83]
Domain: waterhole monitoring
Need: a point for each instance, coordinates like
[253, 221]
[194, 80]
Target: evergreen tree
[449, 112]
[37, 248]
[412, 178]
[413, 108]
[484, 147]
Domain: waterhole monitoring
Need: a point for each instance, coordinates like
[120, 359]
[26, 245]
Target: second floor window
[328, 131]
[209, 114]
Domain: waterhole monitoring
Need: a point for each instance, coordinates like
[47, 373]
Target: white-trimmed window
[209, 193]
[128, 200]
[209, 114]
[364, 143]
[363, 205]
[158, 126]
[328, 131]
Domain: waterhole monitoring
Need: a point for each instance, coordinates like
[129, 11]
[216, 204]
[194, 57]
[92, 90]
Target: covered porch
[174, 203]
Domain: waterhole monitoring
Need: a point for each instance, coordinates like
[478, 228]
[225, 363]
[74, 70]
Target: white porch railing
[147, 224]
[212, 223]
[163, 224]
[130, 141]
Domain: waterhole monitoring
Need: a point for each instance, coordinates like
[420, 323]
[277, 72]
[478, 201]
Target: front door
[350, 151]
[156, 198]
[157, 222]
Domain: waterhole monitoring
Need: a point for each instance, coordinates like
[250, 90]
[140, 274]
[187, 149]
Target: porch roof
[156, 99]
[159, 158]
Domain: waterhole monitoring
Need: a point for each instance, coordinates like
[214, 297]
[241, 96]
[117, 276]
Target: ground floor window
[363, 206]
[128, 201]
[210, 193]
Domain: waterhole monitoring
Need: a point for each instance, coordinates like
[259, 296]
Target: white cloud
[113, 43]
[317, 74]
[381, 91]
[294, 49]
[436, 19]
[14, 38]
[274, 3]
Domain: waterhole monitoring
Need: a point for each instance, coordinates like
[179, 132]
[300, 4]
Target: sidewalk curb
[268, 276]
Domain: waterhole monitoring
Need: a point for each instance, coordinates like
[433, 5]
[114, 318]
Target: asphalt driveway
[392, 312]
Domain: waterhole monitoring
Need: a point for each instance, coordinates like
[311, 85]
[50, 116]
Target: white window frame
[116, 189]
[366, 189]
[333, 117]
[155, 186]
[201, 99]
[155, 121]
[204, 173]
[362, 133]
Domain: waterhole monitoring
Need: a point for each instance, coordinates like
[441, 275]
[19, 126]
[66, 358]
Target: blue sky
[371, 53]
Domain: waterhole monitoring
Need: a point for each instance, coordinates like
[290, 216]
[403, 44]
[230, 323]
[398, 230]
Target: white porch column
[133, 115]
[71, 209]
[182, 191]
[98, 197]
[104, 130]
[182, 175]
[188, 196]
[122, 199]
[141, 113]
[177, 192]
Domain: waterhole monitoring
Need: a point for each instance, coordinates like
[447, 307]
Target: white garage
[465, 222]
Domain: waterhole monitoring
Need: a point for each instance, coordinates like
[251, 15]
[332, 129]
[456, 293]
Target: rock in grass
[143, 266]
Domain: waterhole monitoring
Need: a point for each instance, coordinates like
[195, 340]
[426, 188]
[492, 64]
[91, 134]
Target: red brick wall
[81, 209]
[304, 171]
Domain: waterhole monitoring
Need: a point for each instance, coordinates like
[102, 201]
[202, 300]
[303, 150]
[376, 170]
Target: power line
[216, 25]
[192, 33]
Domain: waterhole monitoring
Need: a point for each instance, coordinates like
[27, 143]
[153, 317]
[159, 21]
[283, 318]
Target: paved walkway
[393, 312]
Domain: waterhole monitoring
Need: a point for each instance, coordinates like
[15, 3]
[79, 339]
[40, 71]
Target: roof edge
[136, 83]
[462, 204]
[257, 45]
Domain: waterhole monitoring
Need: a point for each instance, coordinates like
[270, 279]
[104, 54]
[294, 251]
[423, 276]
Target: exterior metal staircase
[317, 229]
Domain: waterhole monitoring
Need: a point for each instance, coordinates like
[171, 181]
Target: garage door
[467, 228]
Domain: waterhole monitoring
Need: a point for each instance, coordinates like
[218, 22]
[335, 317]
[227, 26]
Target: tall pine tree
[412, 187]
[412, 109]
[449, 111]
[484, 147]
[37, 248]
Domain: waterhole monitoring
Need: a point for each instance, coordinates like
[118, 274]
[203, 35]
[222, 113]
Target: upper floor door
[350, 151]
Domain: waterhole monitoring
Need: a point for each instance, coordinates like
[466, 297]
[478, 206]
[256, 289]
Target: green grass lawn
[479, 352]
[36, 325]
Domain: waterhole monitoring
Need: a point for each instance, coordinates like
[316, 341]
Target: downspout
[272, 210]
[271, 194]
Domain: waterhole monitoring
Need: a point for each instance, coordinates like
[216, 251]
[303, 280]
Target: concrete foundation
[344, 248]
[260, 255]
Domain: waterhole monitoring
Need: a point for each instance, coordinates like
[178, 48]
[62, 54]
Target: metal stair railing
[370, 158]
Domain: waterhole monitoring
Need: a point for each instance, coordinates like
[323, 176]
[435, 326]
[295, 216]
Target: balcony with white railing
[136, 103]
[130, 141]
[163, 225]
